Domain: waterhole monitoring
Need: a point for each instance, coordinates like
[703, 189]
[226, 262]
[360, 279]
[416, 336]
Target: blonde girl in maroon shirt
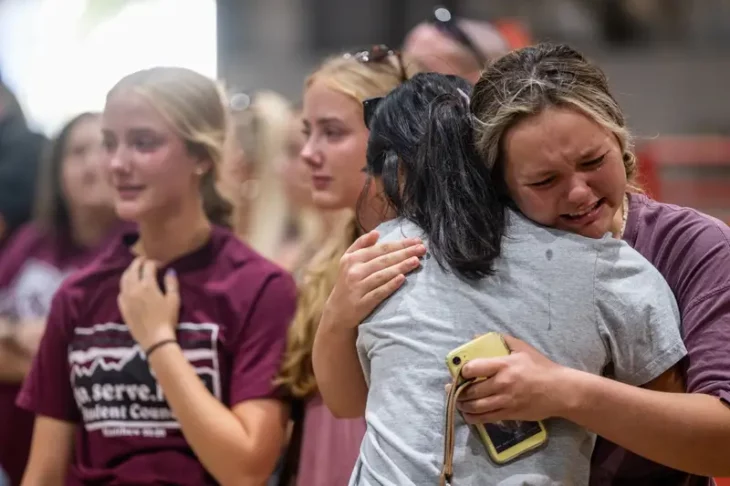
[158, 361]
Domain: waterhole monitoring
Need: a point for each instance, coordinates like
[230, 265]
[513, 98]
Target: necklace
[624, 216]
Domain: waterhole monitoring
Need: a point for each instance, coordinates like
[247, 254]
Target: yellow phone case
[504, 442]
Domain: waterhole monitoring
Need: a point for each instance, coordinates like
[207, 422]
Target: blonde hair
[261, 129]
[360, 81]
[316, 284]
[526, 81]
[194, 105]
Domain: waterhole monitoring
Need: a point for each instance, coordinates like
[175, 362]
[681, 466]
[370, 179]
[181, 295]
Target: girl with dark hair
[74, 218]
[421, 164]
[158, 360]
[493, 270]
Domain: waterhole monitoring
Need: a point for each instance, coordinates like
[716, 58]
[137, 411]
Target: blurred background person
[266, 179]
[450, 45]
[20, 153]
[74, 219]
[308, 225]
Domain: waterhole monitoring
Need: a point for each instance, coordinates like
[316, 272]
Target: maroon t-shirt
[33, 264]
[235, 310]
[692, 252]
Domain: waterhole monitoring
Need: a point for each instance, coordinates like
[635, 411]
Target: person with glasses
[449, 45]
[336, 140]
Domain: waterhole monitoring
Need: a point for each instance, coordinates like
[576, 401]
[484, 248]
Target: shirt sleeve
[15, 252]
[703, 253]
[637, 315]
[262, 342]
[47, 388]
[707, 328]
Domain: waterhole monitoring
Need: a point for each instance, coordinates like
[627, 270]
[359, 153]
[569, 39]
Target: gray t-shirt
[584, 303]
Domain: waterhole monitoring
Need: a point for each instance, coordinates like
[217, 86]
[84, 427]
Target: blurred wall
[671, 92]
[666, 84]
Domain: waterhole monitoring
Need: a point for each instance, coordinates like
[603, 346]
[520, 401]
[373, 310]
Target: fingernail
[171, 272]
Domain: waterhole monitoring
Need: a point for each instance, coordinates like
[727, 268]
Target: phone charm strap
[454, 392]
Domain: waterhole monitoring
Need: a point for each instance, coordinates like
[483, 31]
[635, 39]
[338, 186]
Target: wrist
[8, 329]
[335, 323]
[156, 338]
[159, 345]
[571, 392]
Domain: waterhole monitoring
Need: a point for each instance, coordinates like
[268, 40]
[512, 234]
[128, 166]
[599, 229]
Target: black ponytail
[422, 146]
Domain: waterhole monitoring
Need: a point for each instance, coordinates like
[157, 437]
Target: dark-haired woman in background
[565, 294]
[75, 216]
[20, 156]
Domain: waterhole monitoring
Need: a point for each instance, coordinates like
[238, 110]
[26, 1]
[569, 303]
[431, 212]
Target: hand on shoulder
[369, 273]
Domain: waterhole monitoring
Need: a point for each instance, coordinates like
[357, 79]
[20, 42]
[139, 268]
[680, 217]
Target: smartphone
[504, 441]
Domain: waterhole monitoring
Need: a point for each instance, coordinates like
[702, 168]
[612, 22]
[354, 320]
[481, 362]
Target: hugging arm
[368, 274]
[644, 409]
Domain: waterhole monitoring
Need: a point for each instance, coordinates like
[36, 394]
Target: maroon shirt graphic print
[235, 310]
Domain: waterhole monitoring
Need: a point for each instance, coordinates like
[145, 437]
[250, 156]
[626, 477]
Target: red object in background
[649, 174]
[514, 32]
[691, 171]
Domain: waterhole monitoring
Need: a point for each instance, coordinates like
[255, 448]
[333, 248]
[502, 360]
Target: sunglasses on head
[378, 54]
[368, 109]
[369, 106]
[446, 24]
